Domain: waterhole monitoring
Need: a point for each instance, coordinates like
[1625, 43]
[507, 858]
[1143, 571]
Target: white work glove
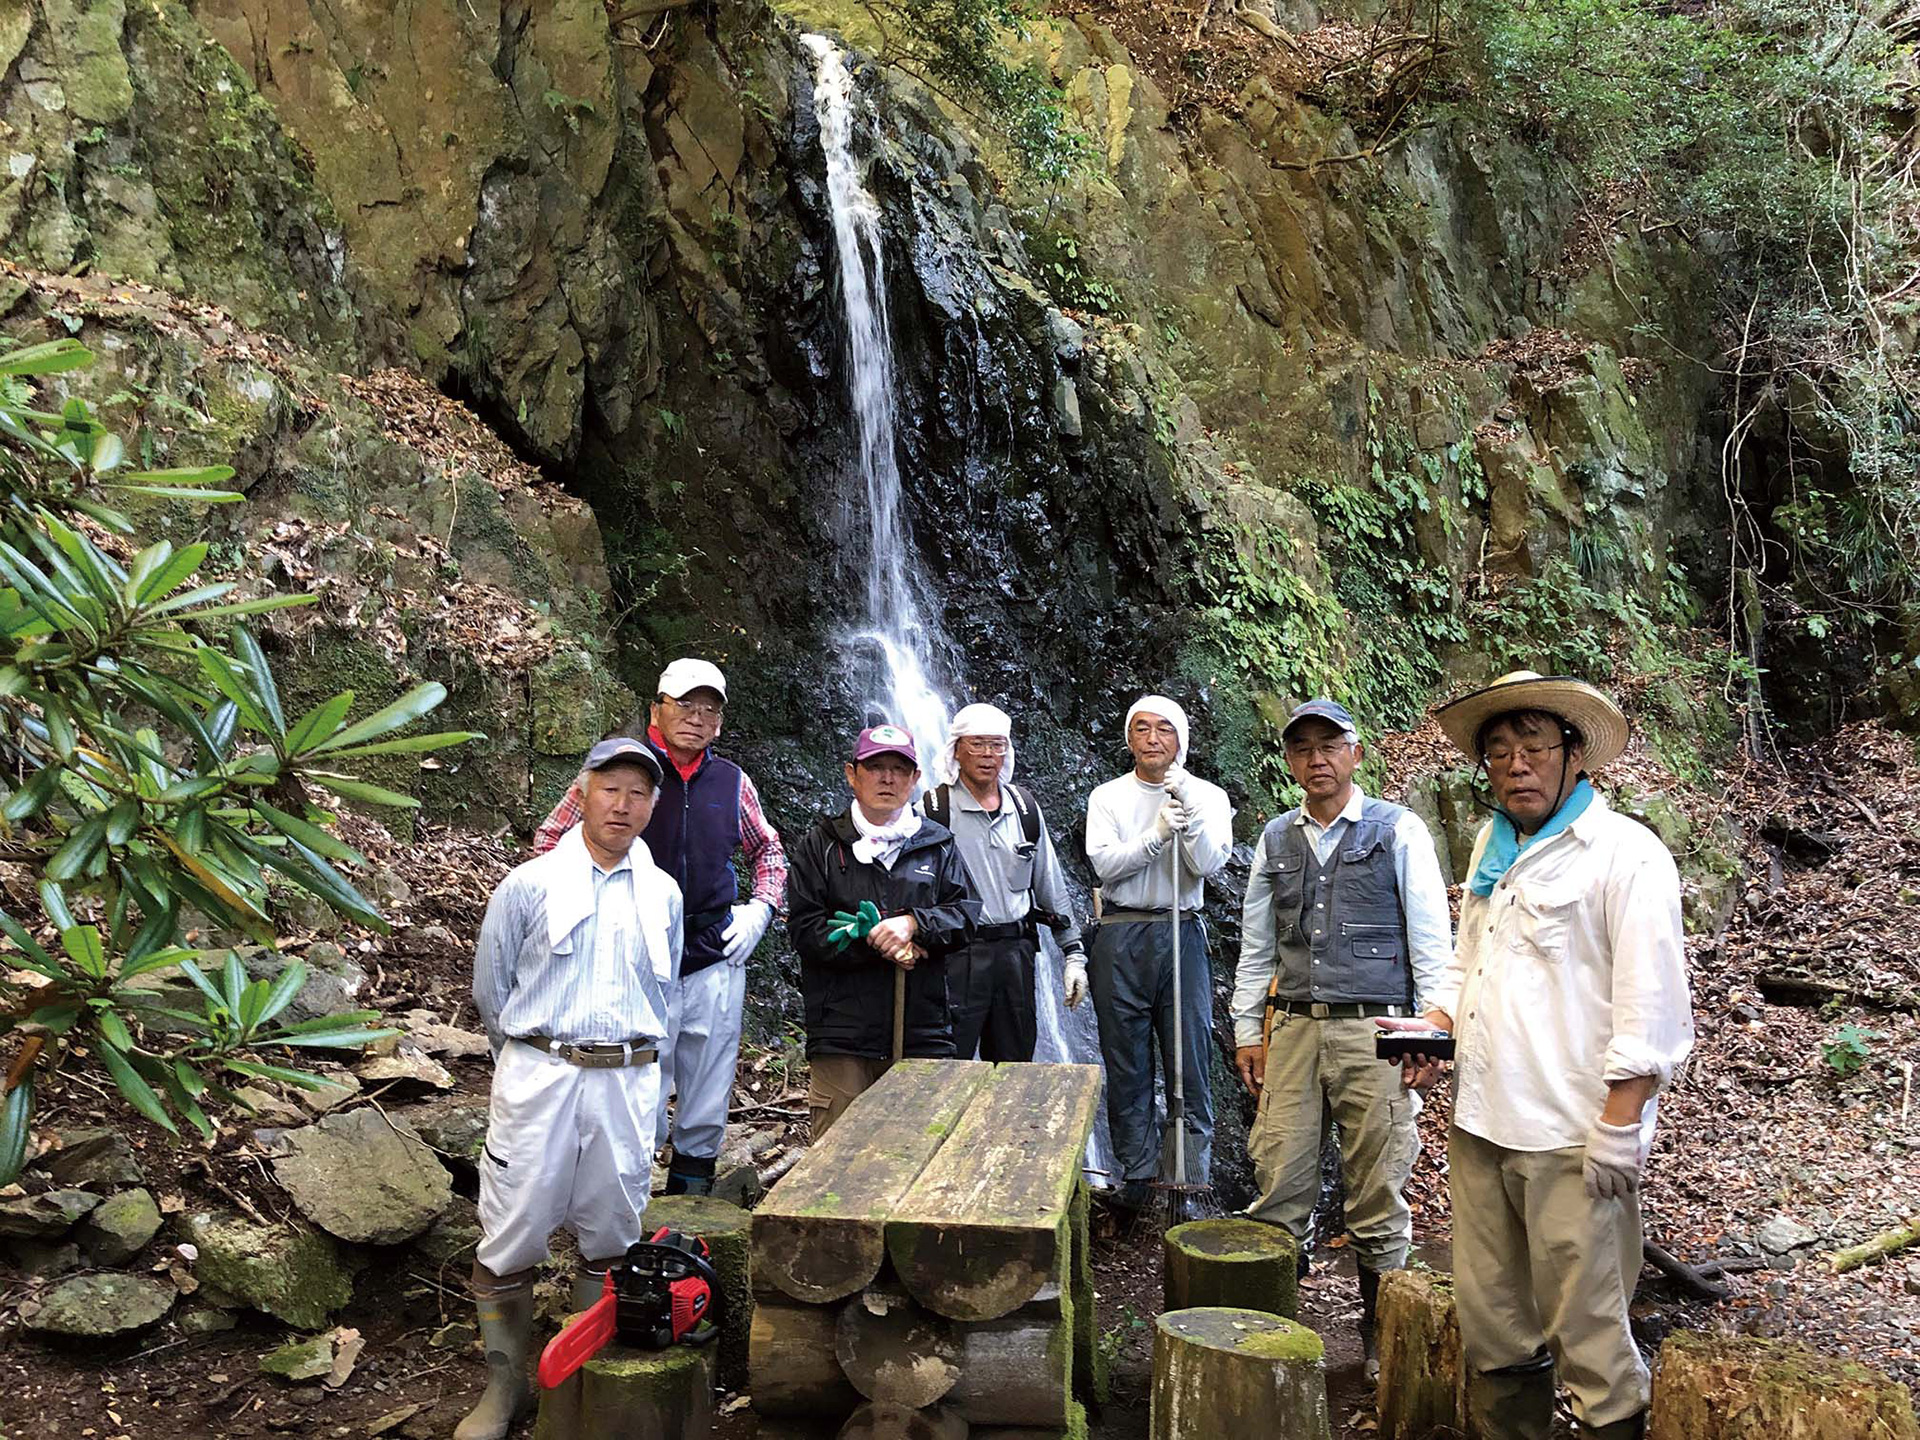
[1170, 821]
[1612, 1168]
[745, 930]
[1176, 782]
[1073, 982]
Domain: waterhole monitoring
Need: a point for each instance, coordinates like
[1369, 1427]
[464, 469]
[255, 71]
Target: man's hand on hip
[745, 930]
[1251, 1062]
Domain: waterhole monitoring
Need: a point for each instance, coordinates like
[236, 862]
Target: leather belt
[1134, 917]
[595, 1055]
[1011, 930]
[1350, 1010]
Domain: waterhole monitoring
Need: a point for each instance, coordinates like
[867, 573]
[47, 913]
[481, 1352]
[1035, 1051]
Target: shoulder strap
[1029, 812]
[938, 805]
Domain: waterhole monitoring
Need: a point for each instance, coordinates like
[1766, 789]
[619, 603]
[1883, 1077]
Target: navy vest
[1339, 934]
[692, 836]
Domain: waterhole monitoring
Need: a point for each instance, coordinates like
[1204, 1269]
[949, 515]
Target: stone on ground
[456, 1129]
[300, 1359]
[120, 1227]
[94, 1159]
[363, 1177]
[451, 1239]
[98, 1307]
[41, 1217]
[287, 1271]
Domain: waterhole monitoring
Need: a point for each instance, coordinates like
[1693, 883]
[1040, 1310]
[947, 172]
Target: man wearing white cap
[570, 977]
[1148, 832]
[708, 810]
[1016, 876]
[1567, 999]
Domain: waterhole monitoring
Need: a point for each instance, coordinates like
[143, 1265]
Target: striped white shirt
[606, 978]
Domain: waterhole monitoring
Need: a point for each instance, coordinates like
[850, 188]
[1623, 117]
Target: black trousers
[990, 990]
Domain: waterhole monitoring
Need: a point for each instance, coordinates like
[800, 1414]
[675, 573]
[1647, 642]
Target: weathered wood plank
[1017, 1370]
[792, 1372]
[1090, 1379]
[819, 1235]
[981, 1230]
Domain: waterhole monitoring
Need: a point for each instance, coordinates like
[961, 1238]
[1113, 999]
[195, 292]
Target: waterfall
[895, 621]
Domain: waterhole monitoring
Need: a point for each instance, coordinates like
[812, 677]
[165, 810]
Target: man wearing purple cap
[1345, 919]
[881, 850]
[571, 976]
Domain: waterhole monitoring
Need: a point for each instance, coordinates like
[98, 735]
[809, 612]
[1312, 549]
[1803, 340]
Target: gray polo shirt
[1007, 877]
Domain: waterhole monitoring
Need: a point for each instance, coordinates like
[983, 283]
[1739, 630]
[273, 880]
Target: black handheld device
[1399, 1044]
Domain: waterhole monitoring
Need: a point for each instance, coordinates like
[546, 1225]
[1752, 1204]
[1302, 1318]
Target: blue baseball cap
[624, 749]
[1332, 711]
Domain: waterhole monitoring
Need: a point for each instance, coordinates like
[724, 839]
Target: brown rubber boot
[506, 1329]
[1515, 1403]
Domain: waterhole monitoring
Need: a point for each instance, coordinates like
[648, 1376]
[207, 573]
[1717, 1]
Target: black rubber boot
[1369, 1301]
[1634, 1427]
[1515, 1403]
[691, 1175]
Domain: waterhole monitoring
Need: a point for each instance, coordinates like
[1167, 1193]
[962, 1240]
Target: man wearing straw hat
[878, 900]
[1015, 874]
[1142, 829]
[1567, 998]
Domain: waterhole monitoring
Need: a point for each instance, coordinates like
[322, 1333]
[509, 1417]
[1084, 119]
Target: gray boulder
[41, 1217]
[44, 1258]
[120, 1227]
[362, 1177]
[455, 1128]
[97, 1159]
[287, 1271]
[334, 983]
[451, 1239]
[96, 1307]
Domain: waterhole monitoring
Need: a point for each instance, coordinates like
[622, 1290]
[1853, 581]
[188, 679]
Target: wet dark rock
[39, 1217]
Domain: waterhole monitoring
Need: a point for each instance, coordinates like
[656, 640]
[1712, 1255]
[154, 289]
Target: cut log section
[1017, 1370]
[1725, 1387]
[1232, 1261]
[793, 1372]
[624, 1394]
[982, 1228]
[894, 1350]
[1423, 1379]
[1090, 1379]
[820, 1233]
[1074, 1429]
[725, 1228]
[1220, 1372]
[879, 1420]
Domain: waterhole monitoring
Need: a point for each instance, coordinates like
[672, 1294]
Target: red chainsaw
[663, 1293]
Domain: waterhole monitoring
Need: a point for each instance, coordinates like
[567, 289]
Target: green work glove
[844, 930]
[869, 916]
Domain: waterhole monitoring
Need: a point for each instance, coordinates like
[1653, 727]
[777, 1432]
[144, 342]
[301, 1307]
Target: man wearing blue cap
[1345, 920]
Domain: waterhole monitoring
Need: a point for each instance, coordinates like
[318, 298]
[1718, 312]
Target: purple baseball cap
[885, 740]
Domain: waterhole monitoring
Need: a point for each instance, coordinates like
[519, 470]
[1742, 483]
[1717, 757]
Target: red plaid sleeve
[565, 816]
[760, 842]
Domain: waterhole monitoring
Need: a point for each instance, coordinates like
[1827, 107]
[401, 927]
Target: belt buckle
[1318, 1010]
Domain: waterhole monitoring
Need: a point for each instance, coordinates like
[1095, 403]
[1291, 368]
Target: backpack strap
[938, 806]
[1029, 810]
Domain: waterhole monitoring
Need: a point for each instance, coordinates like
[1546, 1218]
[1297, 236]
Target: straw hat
[1597, 718]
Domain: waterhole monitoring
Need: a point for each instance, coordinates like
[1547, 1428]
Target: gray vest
[1339, 935]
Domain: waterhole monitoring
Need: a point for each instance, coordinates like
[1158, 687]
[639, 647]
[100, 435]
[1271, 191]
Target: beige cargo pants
[1535, 1262]
[1315, 1064]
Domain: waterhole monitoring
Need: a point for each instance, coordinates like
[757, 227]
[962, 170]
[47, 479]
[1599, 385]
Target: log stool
[1728, 1387]
[1219, 1372]
[1235, 1262]
[623, 1394]
[725, 1227]
[1423, 1380]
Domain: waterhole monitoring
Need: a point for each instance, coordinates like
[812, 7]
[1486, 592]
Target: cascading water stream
[895, 621]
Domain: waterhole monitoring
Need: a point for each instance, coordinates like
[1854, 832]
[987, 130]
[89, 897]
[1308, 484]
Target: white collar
[1349, 811]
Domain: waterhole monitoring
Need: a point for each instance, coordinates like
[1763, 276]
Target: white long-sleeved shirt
[1130, 857]
[1423, 907]
[1570, 975]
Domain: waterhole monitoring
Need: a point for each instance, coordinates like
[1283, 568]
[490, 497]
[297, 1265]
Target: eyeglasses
[699, 709]
[1534, 755]
[1325, 750]
[977, 745]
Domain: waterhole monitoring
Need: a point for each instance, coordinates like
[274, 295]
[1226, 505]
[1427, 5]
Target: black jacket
[849, 992]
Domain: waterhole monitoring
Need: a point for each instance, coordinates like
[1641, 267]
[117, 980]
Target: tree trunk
[1017, 1370]
[624, 1394]
[985, 1225]
[725, 1227]
[879, 1420]
[893, 1350]
[1723, 1387]
[1234, 1262]
[1220, 1372]
[1423, 1379]
[1878, 1248]
[820, 1234]
[792, 1370]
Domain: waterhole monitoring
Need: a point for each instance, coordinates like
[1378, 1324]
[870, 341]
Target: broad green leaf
[411, 744]
[122, 821]
[342, 1039]
[114, 1030]
[247, 650]
[180, 492]
[228, 680]
[186, 598]
[185, 475]
[205, 986]
[53, 711]
[408, 708]
[16, 1116]
[344, 1019]
[253, 1000]
[286, 985]
[319, 723]
[233, 982]
[171, 570]
[109, 453]
[82, 944]
[72, 858]
[118, 523]
[191, 789]
[218, 885]
[361, 790]
[32, 797]
[48, 358]
[189, 1079]
[58, 1017]
[260, 1071]
[12, 681]
[184, 1101]
[53, 900]
[138, 1092]
[311, 836]
[250, 607]
[157, 960]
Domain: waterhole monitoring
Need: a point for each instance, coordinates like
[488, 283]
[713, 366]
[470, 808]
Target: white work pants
[698, 1059]
[565, 1146]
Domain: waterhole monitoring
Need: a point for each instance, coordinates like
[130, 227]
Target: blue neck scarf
[1504, 844]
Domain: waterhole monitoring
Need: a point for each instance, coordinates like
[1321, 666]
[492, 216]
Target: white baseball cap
[686, 675]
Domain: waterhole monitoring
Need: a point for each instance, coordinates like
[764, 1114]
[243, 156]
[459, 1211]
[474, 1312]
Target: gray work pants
[1132, 980]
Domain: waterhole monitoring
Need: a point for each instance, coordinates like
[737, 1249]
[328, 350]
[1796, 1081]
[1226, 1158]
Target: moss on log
[624, 1394]
[792, 1369]
[984, 1226]
[725, 1227]
[1423, 1379]
[1090, 1378]
[1232, 1261]
[1726, 1387]
[820, 1234]
[1219, 1372]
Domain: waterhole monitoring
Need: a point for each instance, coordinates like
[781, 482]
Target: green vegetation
[158, 783]
[1848, 1049]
